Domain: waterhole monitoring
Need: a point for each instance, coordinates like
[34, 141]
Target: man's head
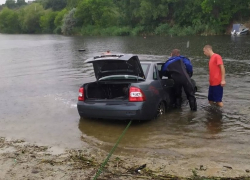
[175, 52]
[208, 50]
[107, 53]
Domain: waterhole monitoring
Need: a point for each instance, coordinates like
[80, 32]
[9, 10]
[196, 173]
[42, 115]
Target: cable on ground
[111, 152]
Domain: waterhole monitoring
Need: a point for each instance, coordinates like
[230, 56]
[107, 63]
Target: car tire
[161, 109]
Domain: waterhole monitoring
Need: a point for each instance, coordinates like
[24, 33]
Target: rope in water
[111, 152]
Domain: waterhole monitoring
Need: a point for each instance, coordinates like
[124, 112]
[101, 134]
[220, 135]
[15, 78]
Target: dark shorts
[215, 93]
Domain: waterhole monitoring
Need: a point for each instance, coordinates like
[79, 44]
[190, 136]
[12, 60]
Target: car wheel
[161, 109]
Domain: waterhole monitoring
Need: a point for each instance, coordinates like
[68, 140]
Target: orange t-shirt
[215, 70]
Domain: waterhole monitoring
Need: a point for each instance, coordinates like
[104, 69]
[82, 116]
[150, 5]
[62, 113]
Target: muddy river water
[40, 76]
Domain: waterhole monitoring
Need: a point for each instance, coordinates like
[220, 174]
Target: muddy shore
[22, 160]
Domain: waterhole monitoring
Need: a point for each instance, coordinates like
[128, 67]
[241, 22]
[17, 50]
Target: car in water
[125, 89]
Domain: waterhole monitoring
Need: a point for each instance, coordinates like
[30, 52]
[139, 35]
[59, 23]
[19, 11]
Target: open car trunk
[106, 66]
[114, 75]
[107, 91]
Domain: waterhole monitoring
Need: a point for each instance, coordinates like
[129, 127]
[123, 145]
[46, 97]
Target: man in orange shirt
[216, 76]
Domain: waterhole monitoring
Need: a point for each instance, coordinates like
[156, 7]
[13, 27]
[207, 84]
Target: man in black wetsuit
[178, 68]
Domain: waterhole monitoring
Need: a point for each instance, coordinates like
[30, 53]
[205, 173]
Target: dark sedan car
[125, 89]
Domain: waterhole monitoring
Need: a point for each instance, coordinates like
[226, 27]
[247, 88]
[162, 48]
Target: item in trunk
[106, 91]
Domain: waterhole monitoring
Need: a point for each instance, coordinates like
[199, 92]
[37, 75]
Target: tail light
[81, 94]
[136, 94]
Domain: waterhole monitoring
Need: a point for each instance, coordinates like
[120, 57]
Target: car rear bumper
[113, 110]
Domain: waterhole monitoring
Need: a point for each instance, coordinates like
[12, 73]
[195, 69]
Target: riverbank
[22, 160]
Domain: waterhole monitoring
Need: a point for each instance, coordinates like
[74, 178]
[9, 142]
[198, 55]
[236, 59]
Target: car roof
[151, 62]
[123, 57]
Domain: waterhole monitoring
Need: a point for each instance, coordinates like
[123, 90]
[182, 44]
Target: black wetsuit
[175, 69]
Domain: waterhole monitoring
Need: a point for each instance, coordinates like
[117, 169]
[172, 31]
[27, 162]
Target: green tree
[72, 3]
[59, 21]
[69, 22]
[122, 17]
[10, 4]
[222, 12]
[144, 12]
[185, 15]
[29, 18]
[127, 12]
[47, 21]
[96, 12]
[20, 3]
[59, 17]
[152, 11]
[55, 5]
[9, 21]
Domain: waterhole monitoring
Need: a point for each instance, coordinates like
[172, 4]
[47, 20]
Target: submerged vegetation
[120, 17]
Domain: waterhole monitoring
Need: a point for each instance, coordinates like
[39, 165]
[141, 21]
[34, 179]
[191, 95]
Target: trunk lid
[117, 67]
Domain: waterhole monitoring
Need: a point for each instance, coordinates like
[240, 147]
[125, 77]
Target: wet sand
[22, 160]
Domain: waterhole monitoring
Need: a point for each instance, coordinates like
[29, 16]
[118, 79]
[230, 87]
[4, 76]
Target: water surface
[40, 76]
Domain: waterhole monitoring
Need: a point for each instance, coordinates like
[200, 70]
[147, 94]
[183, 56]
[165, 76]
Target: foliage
[69, 22]
[110, 31]
[59, 21]
[9, 21]
[116, 31]
[59, 17]
[162, 29]
[10, 3]
[151, 11]
[123, 17]
[29, 18]
[15, 3]
[55, 5]
[47, 21]
[137, 30]
[72, 3]
[20, 3]
[96, 12]
[222, 12]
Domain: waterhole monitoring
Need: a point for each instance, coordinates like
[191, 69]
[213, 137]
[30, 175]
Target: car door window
[155, 73]
[159, 66]
[145, 68]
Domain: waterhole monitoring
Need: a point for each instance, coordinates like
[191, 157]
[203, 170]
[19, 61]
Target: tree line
[122, 17]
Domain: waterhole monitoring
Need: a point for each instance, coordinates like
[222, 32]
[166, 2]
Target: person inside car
[179, 68]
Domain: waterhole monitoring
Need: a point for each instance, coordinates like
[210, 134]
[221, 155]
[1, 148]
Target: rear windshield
[109, 67]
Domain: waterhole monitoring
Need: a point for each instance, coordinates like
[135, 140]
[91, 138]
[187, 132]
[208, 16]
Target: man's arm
[188, 65]
[223, 72]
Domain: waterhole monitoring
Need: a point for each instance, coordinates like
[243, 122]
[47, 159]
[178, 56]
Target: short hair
[208, 47]
[175, 52]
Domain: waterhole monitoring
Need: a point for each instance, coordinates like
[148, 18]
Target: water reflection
[214, 122]
[104, 134]
[177, 128]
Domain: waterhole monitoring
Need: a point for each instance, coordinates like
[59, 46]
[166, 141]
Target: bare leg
[220, 104]
[211, 103]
